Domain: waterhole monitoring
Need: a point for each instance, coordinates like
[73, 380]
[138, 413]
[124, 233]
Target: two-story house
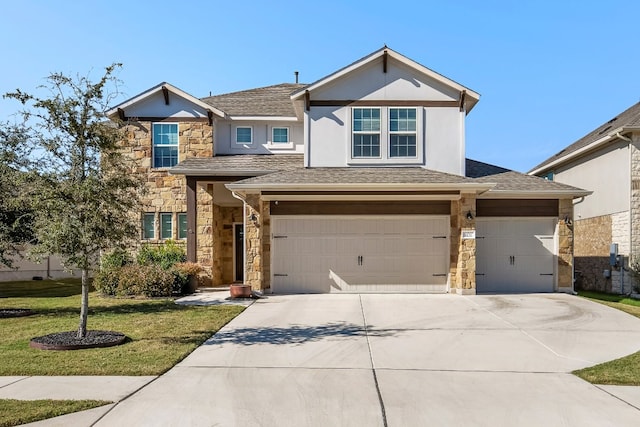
[606, 161]
[355, 183]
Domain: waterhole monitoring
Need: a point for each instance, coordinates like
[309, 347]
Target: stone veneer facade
[167, 193]
[462, 263]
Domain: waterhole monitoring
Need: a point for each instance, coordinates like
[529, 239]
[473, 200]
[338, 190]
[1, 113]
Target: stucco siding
[444, 140]
[154, 106]
[398, 83]
[606, 173]
[329, 141]
[262, 136]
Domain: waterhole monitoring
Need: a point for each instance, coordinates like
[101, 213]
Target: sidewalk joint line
[373, 366]
[115, 404]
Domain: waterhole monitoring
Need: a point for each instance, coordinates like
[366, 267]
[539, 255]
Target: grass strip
[623, 371]
[17, 412]
[160, 333]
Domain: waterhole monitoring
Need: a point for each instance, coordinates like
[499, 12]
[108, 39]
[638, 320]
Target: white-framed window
[166, 225]
[244, 135]
[402, 132]
[165, 144]
[182, 226]
[366, 133]
[149, 226]
[279, 135]
[386, 135]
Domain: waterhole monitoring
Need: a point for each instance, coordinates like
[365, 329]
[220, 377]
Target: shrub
[188, 268]
[115, 259]
[165, 255]
[147, 280]
[107, 281]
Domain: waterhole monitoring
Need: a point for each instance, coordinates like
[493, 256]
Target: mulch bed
[68, 340]
[15, 312]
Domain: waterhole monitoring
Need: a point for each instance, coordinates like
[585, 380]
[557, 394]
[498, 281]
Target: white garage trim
[516, 255]
[360, 253]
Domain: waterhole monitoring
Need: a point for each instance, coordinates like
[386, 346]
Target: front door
[238, 252]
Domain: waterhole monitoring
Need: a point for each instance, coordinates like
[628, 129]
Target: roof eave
[463, 187]
[474, 96]
[590, 147]
[523, 194]
[113, 112]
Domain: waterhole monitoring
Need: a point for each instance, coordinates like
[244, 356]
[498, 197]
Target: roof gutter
[474, 187]
[595, 144]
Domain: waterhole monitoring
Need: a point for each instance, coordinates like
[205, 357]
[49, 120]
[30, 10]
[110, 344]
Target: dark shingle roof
[281, 169]
[256, 164]
[358, 175]
[263, 101]
[628, 118]
[510, 181]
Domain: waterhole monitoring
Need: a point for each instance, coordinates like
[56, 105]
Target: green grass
[623, 371]
[16, 412]
[160, 332]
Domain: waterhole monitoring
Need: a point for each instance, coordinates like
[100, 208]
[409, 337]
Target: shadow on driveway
[295, 334]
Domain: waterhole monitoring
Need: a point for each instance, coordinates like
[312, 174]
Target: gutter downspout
[629, 141]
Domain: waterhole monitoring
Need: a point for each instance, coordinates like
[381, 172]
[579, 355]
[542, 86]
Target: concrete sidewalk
[395, 360]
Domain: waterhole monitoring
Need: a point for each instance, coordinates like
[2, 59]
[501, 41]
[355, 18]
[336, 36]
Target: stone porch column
[565, 245]
[257, 243]
[463, 251]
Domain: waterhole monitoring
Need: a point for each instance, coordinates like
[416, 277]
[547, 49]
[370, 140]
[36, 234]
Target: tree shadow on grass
[41, 289]
[149, 307]
[297, 334]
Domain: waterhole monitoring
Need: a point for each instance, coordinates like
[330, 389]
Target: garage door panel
[360, 254]
[515, 255]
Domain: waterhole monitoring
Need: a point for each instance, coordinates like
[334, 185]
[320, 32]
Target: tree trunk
[84, 310]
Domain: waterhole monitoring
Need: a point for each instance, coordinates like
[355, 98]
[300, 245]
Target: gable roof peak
[385, 52]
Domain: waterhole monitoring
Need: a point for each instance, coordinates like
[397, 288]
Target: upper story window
[244, 135]
[549, 176]
[386, 134]
[366, 132]
[280, 135]
[165, 145]
[402, 132]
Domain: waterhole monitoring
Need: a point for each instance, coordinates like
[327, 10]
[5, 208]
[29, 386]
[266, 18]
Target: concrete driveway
[397, 360]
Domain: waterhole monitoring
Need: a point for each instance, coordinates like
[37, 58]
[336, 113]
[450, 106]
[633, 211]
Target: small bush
[107, 281]
[188, 268]
[147, 280]
[165, 255]
[115, 259]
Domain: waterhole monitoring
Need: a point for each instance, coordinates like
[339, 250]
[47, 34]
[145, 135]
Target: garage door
[515, 255]
[359, 254]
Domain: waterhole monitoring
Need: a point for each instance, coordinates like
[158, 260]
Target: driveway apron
[396, 360]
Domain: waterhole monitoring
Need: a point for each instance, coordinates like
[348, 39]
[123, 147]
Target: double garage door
[360, 254]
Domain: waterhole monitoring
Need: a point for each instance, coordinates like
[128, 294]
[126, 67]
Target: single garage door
[359, 254]
[515, 255]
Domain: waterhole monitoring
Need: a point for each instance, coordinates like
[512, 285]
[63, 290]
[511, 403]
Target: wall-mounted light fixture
[253, 217]
[568, 221]
[469, 216]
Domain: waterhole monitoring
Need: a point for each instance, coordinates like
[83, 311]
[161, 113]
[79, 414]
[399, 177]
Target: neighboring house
[606, 161]
[356, 183]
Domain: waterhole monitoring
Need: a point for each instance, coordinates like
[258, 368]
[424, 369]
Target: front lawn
[623, 371]
[17, 412]
[160, 332]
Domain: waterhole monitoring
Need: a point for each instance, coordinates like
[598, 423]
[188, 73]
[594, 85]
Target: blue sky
[548, 71]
